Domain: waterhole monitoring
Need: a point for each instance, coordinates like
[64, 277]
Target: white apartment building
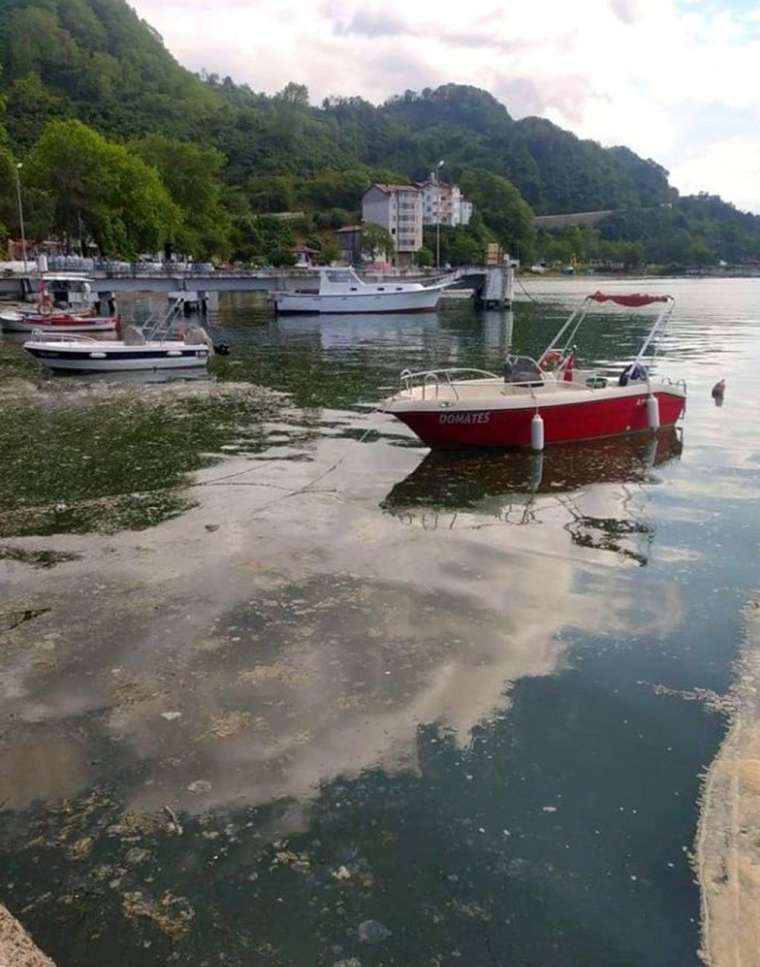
[397, 209]
[444, 203]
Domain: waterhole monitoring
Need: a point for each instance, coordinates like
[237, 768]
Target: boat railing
[158, 328]
[673, 382]
[433, 378]
[39, 336]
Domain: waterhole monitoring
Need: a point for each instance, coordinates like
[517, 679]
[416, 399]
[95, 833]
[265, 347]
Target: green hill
[98, 62]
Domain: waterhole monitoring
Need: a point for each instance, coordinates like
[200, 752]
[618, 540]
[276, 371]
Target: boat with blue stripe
[154, 346]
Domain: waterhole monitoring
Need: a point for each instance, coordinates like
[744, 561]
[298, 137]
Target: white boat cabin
[344, 281]
[72, 291]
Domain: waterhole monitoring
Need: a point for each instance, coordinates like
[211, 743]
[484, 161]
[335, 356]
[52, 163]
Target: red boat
[544, 401]
[74, 312]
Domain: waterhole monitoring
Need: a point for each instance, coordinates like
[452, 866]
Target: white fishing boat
[153, 347]
[342, 291]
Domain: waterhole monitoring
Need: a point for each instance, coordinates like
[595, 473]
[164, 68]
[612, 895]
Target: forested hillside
[225, 156]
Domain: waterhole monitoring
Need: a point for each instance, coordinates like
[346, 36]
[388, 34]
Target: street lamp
[19, 166]
[438, 215]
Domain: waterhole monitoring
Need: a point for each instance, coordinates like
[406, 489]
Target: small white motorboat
[151, 348]
[342, 291]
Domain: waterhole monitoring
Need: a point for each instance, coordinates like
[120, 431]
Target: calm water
[409, 708]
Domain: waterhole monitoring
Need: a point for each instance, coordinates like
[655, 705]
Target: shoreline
[727, 857]
[17, 949]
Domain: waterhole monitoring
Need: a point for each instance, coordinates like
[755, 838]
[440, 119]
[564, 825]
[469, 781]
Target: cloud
[627, 10]
[567, 96]
[731, 168]
[299, 659]
[634, 72]
[368, 23]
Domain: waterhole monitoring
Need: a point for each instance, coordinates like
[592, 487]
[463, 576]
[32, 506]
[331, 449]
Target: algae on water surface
[15, 363]
[76, 464]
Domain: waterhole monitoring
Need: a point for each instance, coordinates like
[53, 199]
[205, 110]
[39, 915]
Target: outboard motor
[197, 335]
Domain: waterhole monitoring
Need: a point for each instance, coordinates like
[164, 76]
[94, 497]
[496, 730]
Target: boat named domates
[342, 291]
[543, 401]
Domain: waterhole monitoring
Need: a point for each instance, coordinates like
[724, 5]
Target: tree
[191, 174]
[295, 94]
[424, 258]
[100, 189]
[329, 251]
[32, 105]
[377, 241]
[700, 252]
[503, 209]
[272, 193]
[465, 250]
[557, 250]
[265, 241]
[337, 189]
[632, 254]
[7, 180]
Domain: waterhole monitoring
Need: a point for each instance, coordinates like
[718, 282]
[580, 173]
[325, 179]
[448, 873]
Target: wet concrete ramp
[17, 949]
[728, 845]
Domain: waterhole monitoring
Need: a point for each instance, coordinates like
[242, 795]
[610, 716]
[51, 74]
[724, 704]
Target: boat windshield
[340, 275]
[522, 369]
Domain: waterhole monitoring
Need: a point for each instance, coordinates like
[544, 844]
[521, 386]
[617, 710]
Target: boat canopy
[634, 300]
[563, 341]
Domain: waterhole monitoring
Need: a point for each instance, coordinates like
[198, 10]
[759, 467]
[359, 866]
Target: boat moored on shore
[153, 347]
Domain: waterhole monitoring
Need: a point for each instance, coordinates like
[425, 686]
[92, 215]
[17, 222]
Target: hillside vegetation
[216, 158]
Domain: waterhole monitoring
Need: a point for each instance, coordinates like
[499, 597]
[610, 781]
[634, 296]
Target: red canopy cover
[633, 301]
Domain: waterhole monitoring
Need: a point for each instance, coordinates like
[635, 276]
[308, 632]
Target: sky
[675, 80]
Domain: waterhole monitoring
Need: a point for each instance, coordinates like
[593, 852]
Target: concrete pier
[492, 284]
[727, 856]
[17, 949]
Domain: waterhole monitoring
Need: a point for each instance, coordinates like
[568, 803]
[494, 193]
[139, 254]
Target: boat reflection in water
[478, 488]
[144, 376]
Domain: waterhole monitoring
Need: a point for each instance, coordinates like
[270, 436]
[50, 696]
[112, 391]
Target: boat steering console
[523, 370]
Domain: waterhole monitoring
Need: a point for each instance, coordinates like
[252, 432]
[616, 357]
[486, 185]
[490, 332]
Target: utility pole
[21, 211]
[438, 215]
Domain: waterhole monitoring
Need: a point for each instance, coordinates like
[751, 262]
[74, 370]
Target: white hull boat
[84, 355]
[19, 321]
[148, 349]
[342, 291]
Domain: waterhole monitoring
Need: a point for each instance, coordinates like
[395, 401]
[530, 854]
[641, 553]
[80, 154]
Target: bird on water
[718, 391]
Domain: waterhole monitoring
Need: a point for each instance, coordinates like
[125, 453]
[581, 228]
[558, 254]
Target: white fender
[537, 433]
[653, 412]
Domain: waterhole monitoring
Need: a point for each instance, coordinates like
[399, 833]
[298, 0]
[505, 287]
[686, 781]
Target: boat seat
[194, 336]
[134, 336]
